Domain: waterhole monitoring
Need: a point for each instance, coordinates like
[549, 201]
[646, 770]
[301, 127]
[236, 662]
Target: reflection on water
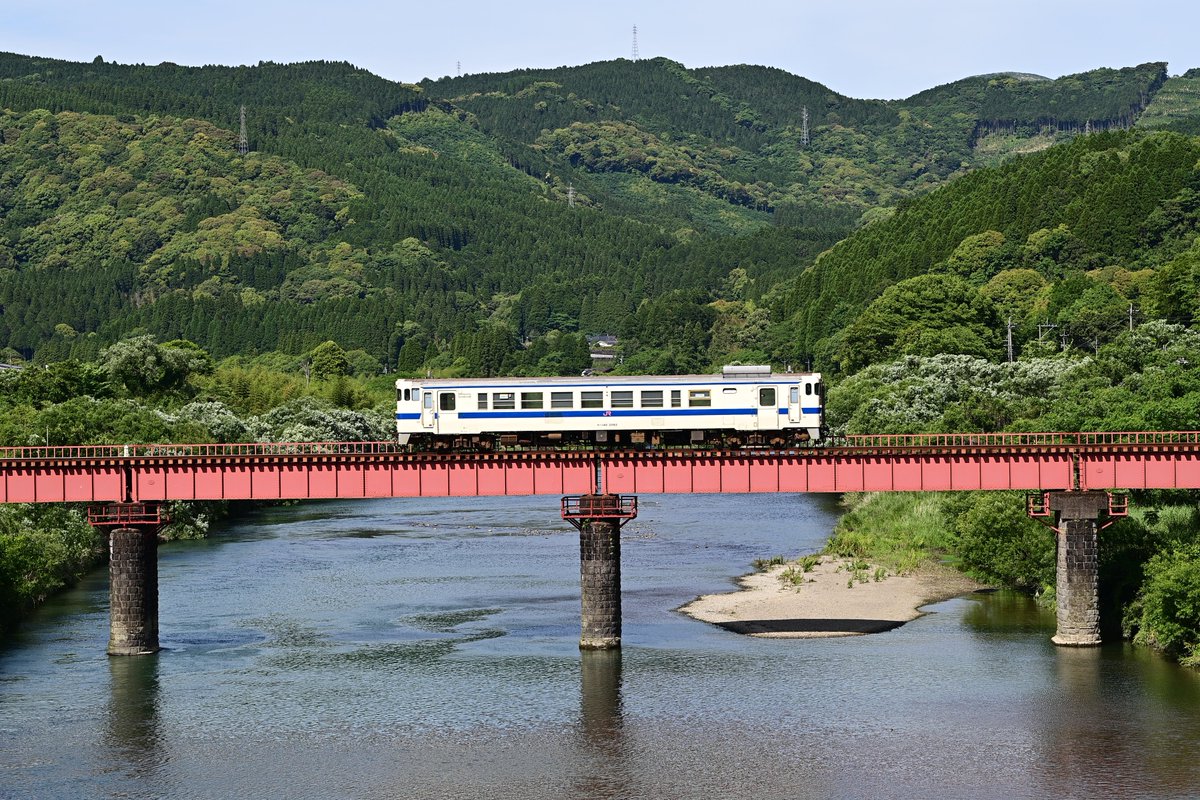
[603, 743]
[395, 649]
[133, 731]
[600, 695]
[1008, 613]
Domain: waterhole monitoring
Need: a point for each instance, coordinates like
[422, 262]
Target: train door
[447, 413]
[768, 408]
[794, 404]
[427, 415]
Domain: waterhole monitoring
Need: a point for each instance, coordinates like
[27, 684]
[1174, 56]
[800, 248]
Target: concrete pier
[1077, 578]
[133, 591]
[600, 583]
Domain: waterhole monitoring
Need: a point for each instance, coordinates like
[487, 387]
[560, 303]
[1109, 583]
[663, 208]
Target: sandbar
[823, 605]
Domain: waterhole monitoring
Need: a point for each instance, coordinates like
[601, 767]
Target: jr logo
[608, 413]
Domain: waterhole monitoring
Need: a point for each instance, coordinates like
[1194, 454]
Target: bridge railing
[111, 451]
[1099, 438]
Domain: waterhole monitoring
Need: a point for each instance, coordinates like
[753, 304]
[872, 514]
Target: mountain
[517, 206]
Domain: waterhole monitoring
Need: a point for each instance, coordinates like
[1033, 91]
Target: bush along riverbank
[43, 549]
[1149, 563]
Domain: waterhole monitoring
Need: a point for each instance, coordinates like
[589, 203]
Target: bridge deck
[272, 471]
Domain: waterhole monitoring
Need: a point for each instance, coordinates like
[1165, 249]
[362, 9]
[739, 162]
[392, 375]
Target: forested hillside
[418, 222]
[1071, 236]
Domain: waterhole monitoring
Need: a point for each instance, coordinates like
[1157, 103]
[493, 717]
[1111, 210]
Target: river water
[428, 649]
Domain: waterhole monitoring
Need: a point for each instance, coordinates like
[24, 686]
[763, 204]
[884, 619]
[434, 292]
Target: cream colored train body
[743, 406]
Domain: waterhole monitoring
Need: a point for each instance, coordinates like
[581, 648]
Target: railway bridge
[1072, 480]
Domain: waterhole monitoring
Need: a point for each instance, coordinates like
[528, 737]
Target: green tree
[1014, 292]
[923, 315]
[328, 360]
[1170, 603]
[980, 256]
[144, 367]
[998, 543]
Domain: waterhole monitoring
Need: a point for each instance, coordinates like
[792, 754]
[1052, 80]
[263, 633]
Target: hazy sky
[862, 48]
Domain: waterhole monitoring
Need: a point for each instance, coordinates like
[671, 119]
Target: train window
[729, 390]
[446, 401]
[483, 401]
[652, 399]
[808, 388]
[622, 399]
[408, 394]
[562, 400]
[428, 400]
[400, 395]
[794, 395]
[531, 399]
[766, 397]
[591, 399]
[501, 400]
[676, 401]
[699, 397]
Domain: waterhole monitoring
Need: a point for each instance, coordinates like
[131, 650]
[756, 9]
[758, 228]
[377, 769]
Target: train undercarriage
[609, 440]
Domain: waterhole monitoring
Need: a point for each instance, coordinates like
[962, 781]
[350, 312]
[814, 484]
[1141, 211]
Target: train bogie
[743, 406]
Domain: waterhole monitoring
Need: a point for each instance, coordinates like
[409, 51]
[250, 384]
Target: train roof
[604, 380]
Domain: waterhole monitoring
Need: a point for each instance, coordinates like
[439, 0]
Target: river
[428, 649]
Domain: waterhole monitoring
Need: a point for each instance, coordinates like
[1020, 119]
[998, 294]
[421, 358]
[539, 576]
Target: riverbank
[829, 601]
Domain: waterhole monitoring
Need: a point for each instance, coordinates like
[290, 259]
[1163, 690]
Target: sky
[861, 48]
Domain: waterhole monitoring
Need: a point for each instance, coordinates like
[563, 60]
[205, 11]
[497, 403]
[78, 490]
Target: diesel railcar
[741, 407]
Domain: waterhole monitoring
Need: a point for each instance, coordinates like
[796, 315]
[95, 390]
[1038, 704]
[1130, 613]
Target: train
[742, 407]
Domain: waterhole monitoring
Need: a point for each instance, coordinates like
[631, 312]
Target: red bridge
[1071, 477]
[301, 471]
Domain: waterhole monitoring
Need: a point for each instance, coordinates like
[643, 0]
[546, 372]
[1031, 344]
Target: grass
[896, 531]
[764, 564]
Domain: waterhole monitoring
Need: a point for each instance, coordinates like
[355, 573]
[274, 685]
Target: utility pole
[243, 141]
[1043, 327]
[1009, 337]
[1131, 316]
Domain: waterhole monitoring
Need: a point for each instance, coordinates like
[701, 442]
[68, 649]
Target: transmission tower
[635, 47]
[570, 196]
[804, 127]
[243, 142]
[458, 67]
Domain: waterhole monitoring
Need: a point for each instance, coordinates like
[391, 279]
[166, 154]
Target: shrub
[998, 543]
[1170, 604]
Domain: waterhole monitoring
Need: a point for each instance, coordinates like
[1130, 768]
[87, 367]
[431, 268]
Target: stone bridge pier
[1077, 576]
[132, 574]
[599, 518]
[133, 590]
